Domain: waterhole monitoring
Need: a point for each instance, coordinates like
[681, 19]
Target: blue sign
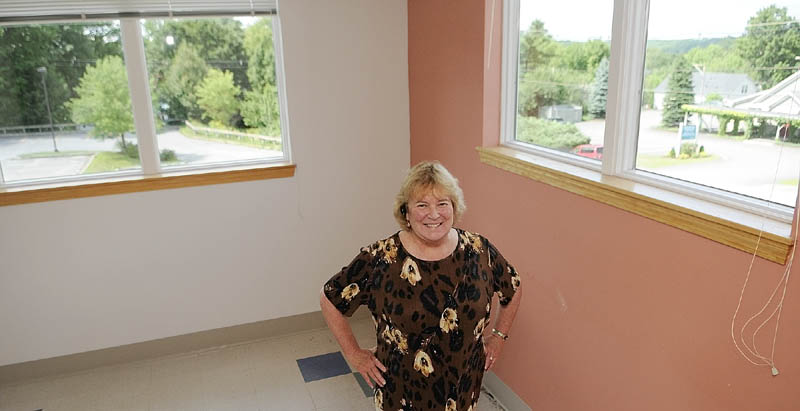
[688, 131]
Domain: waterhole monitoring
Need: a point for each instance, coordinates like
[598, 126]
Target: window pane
[215, 91]
[73, 77]
[563, 75]
[738, 73]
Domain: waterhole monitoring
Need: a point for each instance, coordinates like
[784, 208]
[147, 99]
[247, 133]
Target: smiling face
[430, 215]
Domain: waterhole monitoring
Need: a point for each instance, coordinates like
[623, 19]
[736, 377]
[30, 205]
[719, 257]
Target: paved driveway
[188, 151]
[749, 167]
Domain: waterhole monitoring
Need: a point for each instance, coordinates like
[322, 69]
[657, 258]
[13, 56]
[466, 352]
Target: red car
[594, 151]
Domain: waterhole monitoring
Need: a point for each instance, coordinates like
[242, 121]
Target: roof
[725, 84]
[782, 98]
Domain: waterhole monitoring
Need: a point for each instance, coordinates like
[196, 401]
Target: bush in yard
[546, 133]
[132, 150]
[167, 155]
[689, 149]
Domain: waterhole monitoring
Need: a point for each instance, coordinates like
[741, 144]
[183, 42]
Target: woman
[429, 288]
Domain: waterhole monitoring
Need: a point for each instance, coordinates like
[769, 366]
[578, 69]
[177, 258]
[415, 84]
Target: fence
[231, 133]
[38, 129]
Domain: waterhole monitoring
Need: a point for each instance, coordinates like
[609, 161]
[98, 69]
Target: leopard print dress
[429, 318]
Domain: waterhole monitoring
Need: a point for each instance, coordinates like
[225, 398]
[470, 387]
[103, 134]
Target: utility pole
[43, 71]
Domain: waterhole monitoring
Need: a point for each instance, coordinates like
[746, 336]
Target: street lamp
[43, 70]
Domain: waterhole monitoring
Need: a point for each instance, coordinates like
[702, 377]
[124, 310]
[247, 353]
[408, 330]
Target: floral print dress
[429, 318]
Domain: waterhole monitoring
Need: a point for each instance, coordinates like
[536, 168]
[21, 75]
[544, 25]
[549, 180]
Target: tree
[260, 109]
[597, 100]
[260, 105]
[184, 74]
[217, 96]
[103, 99]
[544, 86]
[680, 91]
[260, 53]
[770, 44]
[217, 41]
[583, 56]
[718, 58]
[64, 50]
[536, 47]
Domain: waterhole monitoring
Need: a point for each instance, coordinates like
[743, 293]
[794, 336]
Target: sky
[581, 20]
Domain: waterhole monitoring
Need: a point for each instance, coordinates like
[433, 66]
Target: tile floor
[302, 371]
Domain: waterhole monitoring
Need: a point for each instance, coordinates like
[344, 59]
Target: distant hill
[682, 46]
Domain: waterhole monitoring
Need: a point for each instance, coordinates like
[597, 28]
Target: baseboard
[71, 363]
[500, 391]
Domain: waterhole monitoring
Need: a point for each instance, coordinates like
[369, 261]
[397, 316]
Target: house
[621, 312]
[726, 85]
[781, 99]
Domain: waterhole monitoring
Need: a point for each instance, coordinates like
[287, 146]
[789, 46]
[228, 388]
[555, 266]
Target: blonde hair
[428, 175]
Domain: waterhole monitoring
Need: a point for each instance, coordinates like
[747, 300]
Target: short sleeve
[505, 279]
[350, 288]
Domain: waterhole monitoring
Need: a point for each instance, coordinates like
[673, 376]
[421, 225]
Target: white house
[727, 85]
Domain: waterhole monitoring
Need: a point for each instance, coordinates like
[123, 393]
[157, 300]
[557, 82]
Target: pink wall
[620, 312]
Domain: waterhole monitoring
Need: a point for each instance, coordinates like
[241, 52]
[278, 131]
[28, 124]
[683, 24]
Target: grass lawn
[651, 161]
[110, 161]
[789, 181]
[50, 154]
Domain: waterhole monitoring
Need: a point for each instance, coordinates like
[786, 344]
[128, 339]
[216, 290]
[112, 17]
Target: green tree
[260, 109]
[544, 86]
[184, 74]
[680, 91]
[657, 65]
[718, 58]
[103, 99]
[536, 47]
[258, 47]
[583, 56]
[260, 106]
[64, 50]
[217, 41]
[217, 96]
[599, 95]
[770, 44]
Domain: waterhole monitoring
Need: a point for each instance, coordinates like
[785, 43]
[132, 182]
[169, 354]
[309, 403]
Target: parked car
[594, 151]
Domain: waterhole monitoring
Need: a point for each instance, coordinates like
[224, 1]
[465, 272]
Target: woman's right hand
[369, 366]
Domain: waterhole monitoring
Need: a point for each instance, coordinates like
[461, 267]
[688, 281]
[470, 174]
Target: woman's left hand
[492, 345]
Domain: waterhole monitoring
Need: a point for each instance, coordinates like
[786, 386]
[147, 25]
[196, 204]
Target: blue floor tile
[323, 366]
[364, 386]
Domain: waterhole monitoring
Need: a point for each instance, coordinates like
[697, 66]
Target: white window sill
[723, 224]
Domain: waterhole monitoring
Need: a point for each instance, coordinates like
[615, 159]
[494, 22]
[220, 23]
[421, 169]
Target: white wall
[86, 274]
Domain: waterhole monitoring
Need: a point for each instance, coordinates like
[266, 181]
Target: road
[759, 167]
[188, 151]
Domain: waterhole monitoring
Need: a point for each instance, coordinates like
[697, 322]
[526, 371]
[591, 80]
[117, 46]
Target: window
[128, 91]
[688, 101]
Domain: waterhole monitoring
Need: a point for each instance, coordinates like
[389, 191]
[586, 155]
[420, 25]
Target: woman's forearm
[338, 325]
[506, 315]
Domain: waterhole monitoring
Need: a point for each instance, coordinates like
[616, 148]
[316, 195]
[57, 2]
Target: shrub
[702, 149]
[689, 149]
[546, 133]
[131, 150]
[167, 155]
[672, 152]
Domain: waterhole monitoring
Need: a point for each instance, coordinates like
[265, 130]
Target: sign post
[687, 133]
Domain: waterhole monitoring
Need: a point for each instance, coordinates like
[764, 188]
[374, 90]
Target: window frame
[132, 42]
[628, 47]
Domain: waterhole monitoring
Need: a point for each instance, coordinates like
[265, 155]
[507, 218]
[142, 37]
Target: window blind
[35, 11]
